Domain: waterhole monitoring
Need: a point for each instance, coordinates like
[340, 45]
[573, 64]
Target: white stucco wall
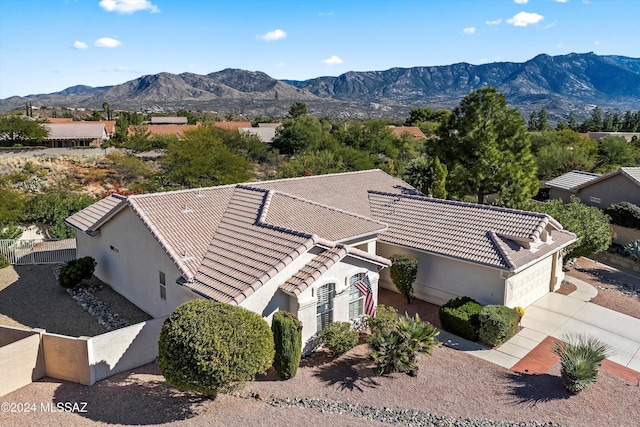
[134, 269]
[441, 279]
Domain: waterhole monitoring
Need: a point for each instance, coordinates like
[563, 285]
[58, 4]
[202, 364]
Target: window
[356, 298]
[113, 248]
[325, 305]
[163, 286]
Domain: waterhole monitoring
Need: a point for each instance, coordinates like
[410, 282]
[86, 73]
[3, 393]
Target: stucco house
[602, 191]
[76, 134]
[302, 244]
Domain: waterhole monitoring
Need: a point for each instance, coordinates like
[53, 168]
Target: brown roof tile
[90, 218]
[232, 125]
[414, 131]
[483, 234]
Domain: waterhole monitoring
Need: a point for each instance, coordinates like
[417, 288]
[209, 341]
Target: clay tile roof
[173, 130]
[632, 173]
[59, 120]
[232, 125]
[572, 179]
[327, 222]
[312, 271]
[345, 191]
[477, 233]
[89, 219]
[414, 131]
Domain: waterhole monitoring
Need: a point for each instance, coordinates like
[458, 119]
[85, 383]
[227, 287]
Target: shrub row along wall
[28, 355]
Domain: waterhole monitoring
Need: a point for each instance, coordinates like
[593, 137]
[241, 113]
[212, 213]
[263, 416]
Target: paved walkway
[556, 315]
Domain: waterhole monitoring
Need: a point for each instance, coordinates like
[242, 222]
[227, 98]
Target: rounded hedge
[339, 338]
[497, 324]
[624, 214]
[75, 271]
[212, 347]
[460, 317]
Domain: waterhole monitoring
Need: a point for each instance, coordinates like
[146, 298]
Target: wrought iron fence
[22, 252]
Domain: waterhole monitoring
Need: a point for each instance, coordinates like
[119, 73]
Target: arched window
[356, 298]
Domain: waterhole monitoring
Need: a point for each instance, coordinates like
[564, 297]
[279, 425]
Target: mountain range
[573, 82]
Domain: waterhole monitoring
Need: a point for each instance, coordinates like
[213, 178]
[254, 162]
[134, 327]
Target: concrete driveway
[557, 315]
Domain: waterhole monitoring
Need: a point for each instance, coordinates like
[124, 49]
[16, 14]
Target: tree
[297, 109]
[428, 175]
[403, 271]
[588, 223]
[212, 347]
[53, 208]
[302, 133]
[107, 110]
[17, 129]
[191, 119]
[202, 159]
[485, 146]
[614, 152]
[573, 124]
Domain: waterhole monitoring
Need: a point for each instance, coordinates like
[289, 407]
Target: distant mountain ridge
[573, 82]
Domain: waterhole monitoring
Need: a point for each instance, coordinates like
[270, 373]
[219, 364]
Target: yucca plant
[633, 249]
[580, 359]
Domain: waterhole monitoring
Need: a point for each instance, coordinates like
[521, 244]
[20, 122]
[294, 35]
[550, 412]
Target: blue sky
[49, 45]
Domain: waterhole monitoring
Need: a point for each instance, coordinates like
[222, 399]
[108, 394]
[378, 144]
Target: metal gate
[22, 252]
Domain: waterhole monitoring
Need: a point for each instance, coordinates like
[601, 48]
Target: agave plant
[633, 249]
[580, 358]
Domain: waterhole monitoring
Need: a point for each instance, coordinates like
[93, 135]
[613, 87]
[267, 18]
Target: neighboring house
[165, 130]
[110, 125]
[301, 244]
[232, 125]
[602, 191]
[169, 120]
[75, 134]
[266, 134]
[628, 136]
[414, 131]
[269, 125]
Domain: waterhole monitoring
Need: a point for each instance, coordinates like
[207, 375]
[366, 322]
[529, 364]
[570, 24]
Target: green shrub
[386, 319]
[624, 214]
[580, 358]
[403, 271]
[212, 347]
[76, 270]
[396, 349]
[287, 337]
[4, 262]
[339, 338]
[460, 316]
[497, 324]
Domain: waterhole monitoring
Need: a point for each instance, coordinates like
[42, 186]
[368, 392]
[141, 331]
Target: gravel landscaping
[31, 298]
[451, 388]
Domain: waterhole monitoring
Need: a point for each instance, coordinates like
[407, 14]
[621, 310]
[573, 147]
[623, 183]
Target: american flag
[364, 286]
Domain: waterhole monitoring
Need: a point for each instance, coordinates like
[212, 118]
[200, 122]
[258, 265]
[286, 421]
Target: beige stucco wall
[441, 279]
[624, 236]
[133, 270]
[615, 189]
[21, 360]
[66, 358]
[556, 193]
[123, 349]
[269, 298]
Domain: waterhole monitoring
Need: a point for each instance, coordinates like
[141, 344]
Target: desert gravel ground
[448, 383]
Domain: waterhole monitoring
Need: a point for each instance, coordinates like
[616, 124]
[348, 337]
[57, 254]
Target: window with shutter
[325, 305]
[356, 298]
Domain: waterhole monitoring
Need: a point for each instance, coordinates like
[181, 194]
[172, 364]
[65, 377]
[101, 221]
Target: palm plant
[580, 358]
[396, 349]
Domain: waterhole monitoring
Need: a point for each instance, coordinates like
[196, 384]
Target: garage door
[531, 284]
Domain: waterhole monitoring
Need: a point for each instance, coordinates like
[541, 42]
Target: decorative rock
[99, 310]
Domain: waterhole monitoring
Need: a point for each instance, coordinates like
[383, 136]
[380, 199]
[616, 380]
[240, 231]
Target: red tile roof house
[300, 245]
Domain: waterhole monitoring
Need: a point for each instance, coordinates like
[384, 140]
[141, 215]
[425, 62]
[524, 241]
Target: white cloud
[273, 35]
[469, 30]
[107, 42]
[325, 13]
[521, 1]
[128, 6]
[280, 64]
[79, 45]
[596, 42]
[333, 60]
[494, 22]
[523, 19]
[562, 1]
